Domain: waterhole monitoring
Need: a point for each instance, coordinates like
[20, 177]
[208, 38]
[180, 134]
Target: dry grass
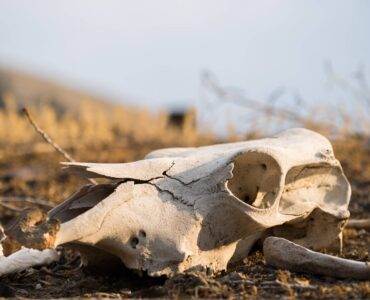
[95, 125]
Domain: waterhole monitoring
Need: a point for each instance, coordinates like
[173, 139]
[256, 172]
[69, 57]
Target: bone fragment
[360, 223]
[284, 254]
[31, 229]
[26, 258]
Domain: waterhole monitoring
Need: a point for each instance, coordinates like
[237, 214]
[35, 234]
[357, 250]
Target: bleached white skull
[182, 208]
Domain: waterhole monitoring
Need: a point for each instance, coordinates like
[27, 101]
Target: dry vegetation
[30, 173]
[93, 125]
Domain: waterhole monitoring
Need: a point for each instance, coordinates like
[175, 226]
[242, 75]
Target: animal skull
[182, 208]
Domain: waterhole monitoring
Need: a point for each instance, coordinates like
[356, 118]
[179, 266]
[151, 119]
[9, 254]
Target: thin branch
[10, 207]
[48, 139]
[26, 199]
[210, 83]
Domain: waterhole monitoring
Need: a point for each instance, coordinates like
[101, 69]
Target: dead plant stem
[48, 139]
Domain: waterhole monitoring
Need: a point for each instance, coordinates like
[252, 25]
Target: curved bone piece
[284, 254]
[186, 208]
[359, 223]
[25, 258]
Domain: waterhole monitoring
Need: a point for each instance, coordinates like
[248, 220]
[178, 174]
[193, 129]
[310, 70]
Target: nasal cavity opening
[255, 179]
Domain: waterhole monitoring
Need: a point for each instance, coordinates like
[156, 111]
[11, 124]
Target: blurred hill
[29, 90]
[78, 119]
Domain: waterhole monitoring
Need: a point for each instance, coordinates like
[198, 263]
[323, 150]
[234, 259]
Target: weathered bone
[360, 223]
[31, 229]
[184, 208]
[284, 254]
[26, 258]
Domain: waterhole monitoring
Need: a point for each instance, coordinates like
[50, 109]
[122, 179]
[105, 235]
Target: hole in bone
[142, 233]
[134, 241]
[319, 184]
[255, 179]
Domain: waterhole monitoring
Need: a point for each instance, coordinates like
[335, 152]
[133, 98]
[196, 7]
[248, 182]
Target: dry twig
[10, 207]
[47, 138]
[26, 200]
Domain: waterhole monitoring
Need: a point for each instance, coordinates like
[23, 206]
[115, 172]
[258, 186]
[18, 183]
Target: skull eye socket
[255, 180]
[323, 184]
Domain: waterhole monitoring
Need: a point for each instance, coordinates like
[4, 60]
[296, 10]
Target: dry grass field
[30, 175]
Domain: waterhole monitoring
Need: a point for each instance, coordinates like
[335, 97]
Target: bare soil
[27, 175]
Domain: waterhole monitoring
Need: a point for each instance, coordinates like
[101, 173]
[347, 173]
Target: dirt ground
[33, 173]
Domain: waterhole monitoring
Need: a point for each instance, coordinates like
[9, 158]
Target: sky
[153, 53]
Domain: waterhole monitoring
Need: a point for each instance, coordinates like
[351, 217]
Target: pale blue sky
[152, 52]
